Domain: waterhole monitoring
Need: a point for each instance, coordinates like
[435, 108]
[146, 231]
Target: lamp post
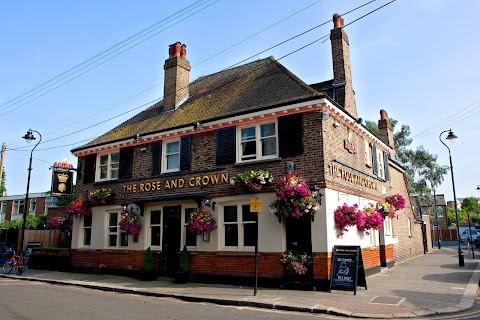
[29, 137]
[452, 136]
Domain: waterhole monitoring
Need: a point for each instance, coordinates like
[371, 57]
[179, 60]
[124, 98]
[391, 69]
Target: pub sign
[62, 182]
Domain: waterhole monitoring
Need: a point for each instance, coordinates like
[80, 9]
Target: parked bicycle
[16, 261]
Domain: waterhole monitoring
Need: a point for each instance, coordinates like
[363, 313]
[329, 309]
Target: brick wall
[8, 214]
[111, 259]
[40, 206]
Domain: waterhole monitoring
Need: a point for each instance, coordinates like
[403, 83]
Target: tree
[472, 206]
[3, 183]
[451, 217]
[66, 200]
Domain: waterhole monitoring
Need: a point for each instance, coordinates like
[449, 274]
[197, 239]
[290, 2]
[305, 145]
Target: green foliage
[451, 217]
[3, 183]
[66, 200]
[184, 260]
[32, 223]
[148, 261]
[471, 205]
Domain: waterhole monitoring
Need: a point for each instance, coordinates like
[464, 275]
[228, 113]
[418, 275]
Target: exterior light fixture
[209, 203]
[317, 197]
[451, 136]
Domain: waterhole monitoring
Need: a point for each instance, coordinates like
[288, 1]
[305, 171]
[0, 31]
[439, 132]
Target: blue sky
[418, 60]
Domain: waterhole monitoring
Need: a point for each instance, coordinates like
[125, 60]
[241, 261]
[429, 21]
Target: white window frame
[149, 220]
[380, 164]
[108, 165]
[33, 203]
[258, 142]
[409, 227]
[368, 153]
[4, 207]
[16, 205]
[184, 229]
[388, 226]
[440, 212]
[165, 155]
[118, 232]
[84, 227]
[240, 228]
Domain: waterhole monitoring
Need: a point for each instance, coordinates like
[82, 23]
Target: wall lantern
[317, 197]
[209, 203]
[131, 208]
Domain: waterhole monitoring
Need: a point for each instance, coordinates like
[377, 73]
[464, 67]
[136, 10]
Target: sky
[60, 76]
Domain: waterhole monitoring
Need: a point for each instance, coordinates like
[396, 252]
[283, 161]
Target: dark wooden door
[171, 239]
[299, 239]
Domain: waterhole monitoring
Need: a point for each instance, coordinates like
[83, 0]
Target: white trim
[164, 155]
[258, 141]
[108, 165]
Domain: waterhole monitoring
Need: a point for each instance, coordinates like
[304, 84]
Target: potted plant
[101, 196]
[296, 263]
[79, 207]
[148, 272]
[372, 219]
[182, 275]
[347, 216]
[251, 181]
[201, 221]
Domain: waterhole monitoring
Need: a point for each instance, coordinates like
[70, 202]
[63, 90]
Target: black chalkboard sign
[347, 269]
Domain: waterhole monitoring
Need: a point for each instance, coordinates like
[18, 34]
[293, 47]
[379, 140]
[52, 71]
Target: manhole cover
[387, 300]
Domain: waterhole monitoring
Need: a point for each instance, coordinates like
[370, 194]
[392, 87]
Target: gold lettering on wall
[169, 184]
[342, 174]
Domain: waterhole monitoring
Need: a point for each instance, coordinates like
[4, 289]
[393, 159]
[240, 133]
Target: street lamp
[451, 136]
[29, 137]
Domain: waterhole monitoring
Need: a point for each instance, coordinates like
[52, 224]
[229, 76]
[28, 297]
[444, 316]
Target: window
[368, 156]
[33, 205]
[409, 227]
[381, 165]
[155, 227]
[50, 203]
[190, 240]
[114, 233]
[4, 207]
[240, 230]
[171, 158]
[87, 230]
[107, 166]
[388, 226]
[257, 142]
[18, 206]
[440, 212]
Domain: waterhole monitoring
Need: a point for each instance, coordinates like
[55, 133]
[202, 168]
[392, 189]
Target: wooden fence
[447, 234]
[48, 238]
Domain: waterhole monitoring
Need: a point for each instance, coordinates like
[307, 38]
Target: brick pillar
[177, 74]
[342, 73]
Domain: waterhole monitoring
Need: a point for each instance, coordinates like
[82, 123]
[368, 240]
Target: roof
[255, 86]
[440, 200]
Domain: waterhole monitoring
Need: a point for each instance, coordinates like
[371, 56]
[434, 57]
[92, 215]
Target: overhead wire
[299, 49]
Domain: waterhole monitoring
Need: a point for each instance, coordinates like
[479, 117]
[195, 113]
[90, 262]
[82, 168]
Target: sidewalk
[428, 285]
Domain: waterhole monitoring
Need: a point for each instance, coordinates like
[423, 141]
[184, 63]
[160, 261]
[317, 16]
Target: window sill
[257, 161]
[235, 253]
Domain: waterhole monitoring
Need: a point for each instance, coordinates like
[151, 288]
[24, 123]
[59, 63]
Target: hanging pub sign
[62, 178]
[347, 269]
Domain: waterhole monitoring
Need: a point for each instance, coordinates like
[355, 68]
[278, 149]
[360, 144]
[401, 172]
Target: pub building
[182, 153]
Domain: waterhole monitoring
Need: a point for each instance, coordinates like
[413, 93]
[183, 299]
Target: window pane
[249, 149]
[188, 212]
[124, 239]
[248, 133]
[230, 214]
[269, 146]
[112, 221]
[112, 240]
[231, 235]
[87, 221]
[249, 234]
[246, 214]
[114, 174]
[155, 217]
[87, 236]
[267, 130]
[173, 161]
[173, 147]
[114, 157]
[103, 160]
[191, 240]
[103, 172]
[155, 236]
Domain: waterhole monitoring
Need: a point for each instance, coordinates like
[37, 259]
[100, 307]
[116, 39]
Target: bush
[184, 260]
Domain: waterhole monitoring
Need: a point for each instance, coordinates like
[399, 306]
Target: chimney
[342, 73]
[386, 130]
[177, 74]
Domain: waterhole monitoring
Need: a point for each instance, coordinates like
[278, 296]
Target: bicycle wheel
[7, 266]
[21, 267]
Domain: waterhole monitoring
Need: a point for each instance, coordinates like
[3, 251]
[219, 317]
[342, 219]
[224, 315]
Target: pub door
[299, 239]
[171, 239]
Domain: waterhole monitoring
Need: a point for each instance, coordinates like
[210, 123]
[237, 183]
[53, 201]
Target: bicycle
[16, 261]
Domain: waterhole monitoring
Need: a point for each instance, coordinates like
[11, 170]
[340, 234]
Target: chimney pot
[383, 114]
[170, 51]
[337, 21]
[177, 49]
[183, 51]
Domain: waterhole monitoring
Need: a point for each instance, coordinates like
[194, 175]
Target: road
[25, 300]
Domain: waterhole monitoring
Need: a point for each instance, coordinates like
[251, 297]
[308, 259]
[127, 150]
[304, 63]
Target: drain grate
[387, 300]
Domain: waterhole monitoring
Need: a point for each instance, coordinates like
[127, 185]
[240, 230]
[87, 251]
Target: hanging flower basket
[130, 223]
[347, 216]
[78, 207]
[100, 196]
[396, 201]
[251, 181]
[295, 262]
[293, 197]
[200, 222]
[372, 219]
[58, 222]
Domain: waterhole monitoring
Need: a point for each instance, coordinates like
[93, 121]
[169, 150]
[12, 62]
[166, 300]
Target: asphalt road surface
[25, 300]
